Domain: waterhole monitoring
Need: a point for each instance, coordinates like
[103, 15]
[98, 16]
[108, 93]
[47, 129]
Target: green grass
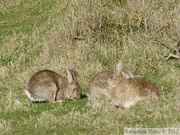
[25, 17]
[88, 37]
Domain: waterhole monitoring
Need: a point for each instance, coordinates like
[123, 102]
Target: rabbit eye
[74, 89]
[112, 76]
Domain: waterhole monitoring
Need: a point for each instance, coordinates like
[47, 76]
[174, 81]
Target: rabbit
[47, 85]
[126, 92]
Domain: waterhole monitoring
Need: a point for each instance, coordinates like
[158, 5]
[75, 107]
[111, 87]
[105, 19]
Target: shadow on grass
[83, 96]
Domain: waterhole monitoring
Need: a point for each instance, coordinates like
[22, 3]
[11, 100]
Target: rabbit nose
[72, 98]
[157, 92]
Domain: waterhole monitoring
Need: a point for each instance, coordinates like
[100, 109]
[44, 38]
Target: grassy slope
[88, 37]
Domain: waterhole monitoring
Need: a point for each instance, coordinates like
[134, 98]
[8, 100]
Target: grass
[88, 37]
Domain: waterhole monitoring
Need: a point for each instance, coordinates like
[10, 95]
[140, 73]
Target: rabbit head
[116, 77]
[72, 90]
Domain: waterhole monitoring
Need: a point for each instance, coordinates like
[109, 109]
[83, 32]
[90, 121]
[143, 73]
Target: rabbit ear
[130, 74]
[125, 75]
[70, 76]
[117, 69]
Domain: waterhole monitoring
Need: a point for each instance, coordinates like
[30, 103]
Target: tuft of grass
[6, 60]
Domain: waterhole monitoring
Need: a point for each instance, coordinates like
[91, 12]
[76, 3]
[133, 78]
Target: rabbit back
[127, 92]
[43, 85]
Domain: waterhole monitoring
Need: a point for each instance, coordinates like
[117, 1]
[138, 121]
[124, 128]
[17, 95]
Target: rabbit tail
[29, 95]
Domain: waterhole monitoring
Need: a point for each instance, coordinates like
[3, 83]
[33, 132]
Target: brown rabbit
[123, 90]
[47, 85]
[127, 92]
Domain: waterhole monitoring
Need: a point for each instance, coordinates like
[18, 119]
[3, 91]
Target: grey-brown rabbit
[122, 91]
[47, 85]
